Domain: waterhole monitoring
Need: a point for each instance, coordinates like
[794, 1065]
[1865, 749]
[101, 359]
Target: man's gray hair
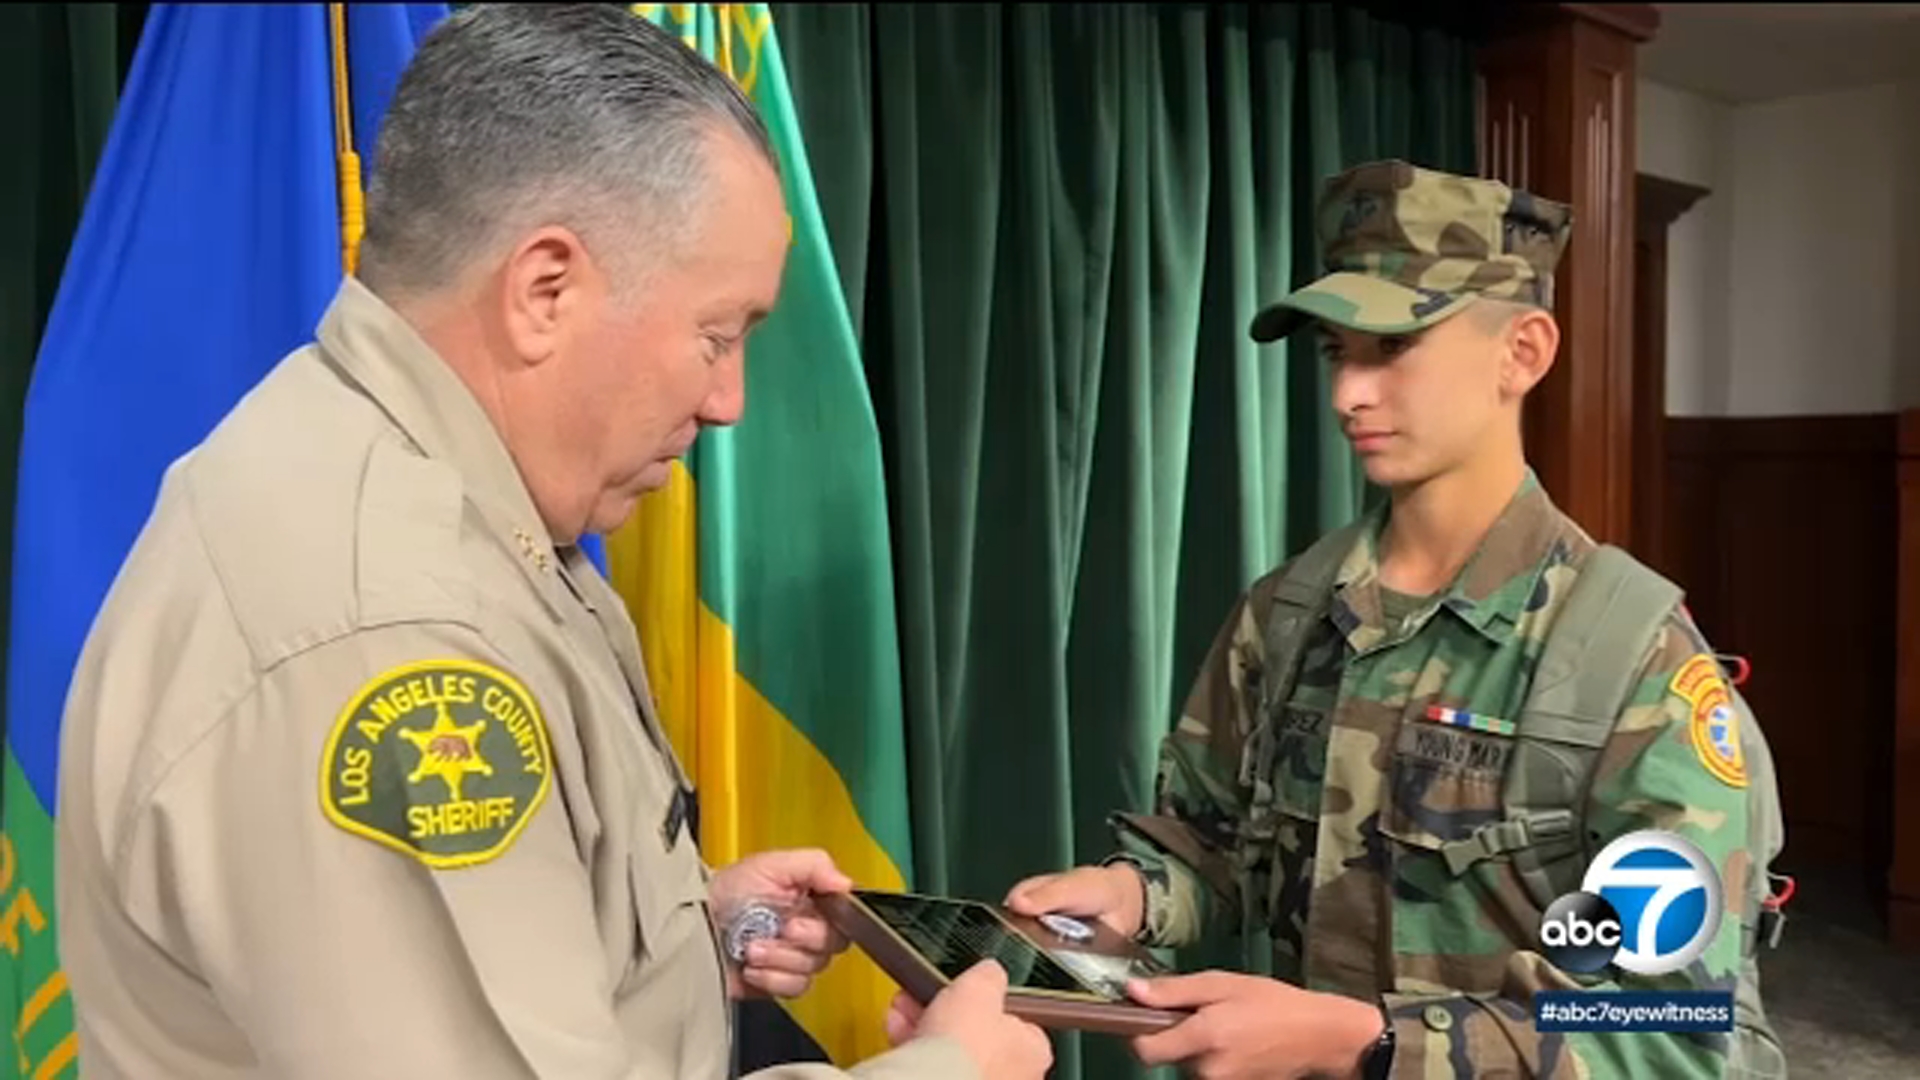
[515, 116]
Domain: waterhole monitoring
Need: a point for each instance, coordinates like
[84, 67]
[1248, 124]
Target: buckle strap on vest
[1300, 599]
[1505, 835]
[1766, 930]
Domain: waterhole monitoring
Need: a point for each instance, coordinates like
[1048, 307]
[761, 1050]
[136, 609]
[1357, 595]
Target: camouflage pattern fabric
[1406, 247]
[1320, 818]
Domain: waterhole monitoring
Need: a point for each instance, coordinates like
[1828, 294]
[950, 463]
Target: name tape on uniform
[443, 760]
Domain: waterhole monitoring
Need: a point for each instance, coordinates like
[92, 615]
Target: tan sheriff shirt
[361, 778]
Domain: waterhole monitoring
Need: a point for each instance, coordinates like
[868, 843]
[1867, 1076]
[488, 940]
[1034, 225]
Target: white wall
[1782, 284]
[1677, 137]
[1906, 224]
[1813, 255]
[1686, 137]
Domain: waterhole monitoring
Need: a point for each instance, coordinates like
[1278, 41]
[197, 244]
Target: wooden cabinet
[1903, 880]
[1783, 532]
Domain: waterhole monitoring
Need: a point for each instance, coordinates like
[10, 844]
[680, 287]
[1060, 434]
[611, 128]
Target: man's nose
[727, 401]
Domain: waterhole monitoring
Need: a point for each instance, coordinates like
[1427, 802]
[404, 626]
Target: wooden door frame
[1658, 203]
[1903, 873]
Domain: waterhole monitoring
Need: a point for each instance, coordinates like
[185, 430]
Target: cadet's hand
[784, 966]
[1248, 1027]
[1113, 894]
[972, 1012]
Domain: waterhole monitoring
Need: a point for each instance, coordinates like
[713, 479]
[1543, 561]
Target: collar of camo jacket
[1503, 578]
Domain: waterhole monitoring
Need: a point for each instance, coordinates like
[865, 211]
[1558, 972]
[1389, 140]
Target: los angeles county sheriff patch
[445, 760]
[1715, 724]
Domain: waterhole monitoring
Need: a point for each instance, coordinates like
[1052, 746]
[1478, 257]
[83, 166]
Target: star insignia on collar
[532, 550]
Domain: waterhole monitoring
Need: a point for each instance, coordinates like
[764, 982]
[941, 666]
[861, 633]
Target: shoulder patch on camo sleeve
[1714, 723]
[443, 760]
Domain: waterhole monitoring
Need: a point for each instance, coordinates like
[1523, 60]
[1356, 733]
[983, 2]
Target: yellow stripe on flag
[766, 786]
[762, 783]
[651, 563]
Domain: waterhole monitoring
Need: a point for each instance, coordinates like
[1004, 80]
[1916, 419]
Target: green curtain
[1054, 224]
[62, 66]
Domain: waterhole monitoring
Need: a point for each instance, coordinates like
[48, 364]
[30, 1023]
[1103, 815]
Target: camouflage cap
[1405, 247]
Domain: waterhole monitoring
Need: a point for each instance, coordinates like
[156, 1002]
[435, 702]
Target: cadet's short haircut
[1493, 315]
[512, 116]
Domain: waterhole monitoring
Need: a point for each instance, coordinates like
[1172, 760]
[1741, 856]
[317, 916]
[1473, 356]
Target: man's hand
[783, 966]
[972, 1012]
[1113, 894]
[1248, 1027]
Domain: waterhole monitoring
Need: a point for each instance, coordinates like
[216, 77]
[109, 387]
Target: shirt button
[1437, 1017]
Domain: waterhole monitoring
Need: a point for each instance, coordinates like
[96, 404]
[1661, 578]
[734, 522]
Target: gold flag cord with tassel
[353, 210]
[723, 20]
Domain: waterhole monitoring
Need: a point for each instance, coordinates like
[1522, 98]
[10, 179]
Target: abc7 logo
[1650, 904]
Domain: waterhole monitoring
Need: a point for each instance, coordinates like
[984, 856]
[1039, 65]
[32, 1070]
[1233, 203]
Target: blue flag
[209, 247]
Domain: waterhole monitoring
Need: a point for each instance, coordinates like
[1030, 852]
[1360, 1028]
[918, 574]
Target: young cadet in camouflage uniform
[1353, 804]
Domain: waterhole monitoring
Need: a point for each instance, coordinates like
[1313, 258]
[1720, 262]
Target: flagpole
[353, 213]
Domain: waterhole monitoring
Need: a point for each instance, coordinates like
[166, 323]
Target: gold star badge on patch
[448, 751]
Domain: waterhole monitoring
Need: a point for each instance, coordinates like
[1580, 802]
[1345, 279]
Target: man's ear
[547, 277]
[1533, 340]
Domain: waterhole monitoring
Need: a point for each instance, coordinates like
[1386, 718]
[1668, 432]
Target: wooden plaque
[1053, 981]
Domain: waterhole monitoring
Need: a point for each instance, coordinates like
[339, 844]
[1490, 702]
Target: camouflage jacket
[1327, 839]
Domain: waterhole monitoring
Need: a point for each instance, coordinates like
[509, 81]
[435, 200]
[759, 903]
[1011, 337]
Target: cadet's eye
[1395, 344]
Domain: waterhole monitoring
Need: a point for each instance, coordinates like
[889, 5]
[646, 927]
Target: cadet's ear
[547, 279]
[1533, 340]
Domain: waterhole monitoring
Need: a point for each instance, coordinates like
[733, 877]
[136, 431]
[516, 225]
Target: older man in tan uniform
[361, 774]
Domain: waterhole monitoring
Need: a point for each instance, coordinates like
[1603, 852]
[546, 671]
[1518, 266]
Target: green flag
[761, 578]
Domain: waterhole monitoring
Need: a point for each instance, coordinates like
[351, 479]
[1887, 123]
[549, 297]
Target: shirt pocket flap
[1288, 767]
[669, 894]
[1446, 782]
